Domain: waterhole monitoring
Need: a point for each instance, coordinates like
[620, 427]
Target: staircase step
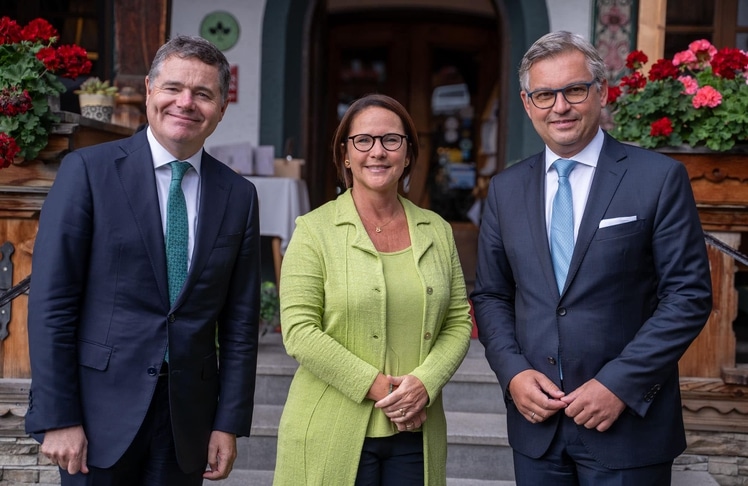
[478, 447]
[479, 453]
[473, 387]
[265, 478]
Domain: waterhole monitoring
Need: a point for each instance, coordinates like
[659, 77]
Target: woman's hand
[405, 405]
[380, 388]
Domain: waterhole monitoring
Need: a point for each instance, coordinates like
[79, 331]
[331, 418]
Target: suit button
[427, 336]
[551, 360]
[152, 371]
[429, 290]
[561, 311]
[172, 318]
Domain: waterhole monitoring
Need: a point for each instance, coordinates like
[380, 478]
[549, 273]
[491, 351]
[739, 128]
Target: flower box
[717, 178]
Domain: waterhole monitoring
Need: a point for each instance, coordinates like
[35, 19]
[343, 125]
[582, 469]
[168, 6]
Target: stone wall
[723, 454]
[21, 463]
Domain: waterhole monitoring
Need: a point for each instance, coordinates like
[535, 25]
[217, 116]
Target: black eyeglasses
[364, 142]
[574, 94]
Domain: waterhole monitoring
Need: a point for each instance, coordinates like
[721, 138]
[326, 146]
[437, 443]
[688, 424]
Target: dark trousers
[151, 458]
[568, 463]
[392, 461]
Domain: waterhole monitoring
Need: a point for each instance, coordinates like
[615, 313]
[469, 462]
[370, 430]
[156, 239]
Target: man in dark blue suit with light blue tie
[592, 282]
[147, 256]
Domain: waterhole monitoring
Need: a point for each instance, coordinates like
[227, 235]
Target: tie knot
[178, 169]
[564, 166]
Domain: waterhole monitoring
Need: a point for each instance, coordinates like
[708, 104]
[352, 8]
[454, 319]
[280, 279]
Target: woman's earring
[347, 163]
[407, 162]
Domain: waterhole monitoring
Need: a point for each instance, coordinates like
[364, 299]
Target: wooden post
[714, 348]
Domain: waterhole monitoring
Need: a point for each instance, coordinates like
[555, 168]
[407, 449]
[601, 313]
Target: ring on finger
[532, 416]
[402, 412]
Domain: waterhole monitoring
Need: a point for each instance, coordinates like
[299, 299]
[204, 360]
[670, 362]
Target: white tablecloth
[282, 199]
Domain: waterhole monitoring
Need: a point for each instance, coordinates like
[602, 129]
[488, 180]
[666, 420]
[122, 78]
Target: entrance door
[444, 70]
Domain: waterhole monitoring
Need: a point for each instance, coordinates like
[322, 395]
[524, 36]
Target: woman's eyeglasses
[364, 142]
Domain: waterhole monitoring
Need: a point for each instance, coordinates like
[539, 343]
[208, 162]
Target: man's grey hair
[555, 43]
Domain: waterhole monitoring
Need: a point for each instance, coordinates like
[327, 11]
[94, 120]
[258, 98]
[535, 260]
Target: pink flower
[685, 58]
[706, 96]
[690, 84]
[702, 47]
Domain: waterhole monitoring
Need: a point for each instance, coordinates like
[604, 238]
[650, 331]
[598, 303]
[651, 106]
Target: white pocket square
[615, 221]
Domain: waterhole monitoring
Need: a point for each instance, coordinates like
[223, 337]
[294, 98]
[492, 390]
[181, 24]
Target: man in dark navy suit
[585, 337]
[128, 387]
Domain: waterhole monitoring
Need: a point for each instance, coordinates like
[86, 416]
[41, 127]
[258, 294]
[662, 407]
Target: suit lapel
[608, 177]
[535, 202]
[138, 181]
[214, 199]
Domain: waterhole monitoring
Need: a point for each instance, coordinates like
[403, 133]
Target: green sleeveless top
[404, 326]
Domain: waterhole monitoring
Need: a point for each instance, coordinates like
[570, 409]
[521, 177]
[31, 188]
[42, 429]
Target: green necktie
[177, 232]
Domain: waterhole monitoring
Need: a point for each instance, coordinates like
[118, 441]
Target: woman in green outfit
[374, 309]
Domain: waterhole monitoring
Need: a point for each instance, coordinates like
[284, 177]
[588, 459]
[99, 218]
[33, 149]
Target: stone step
[477, 444]
[473, 387]
[479, 454]
[265, 478]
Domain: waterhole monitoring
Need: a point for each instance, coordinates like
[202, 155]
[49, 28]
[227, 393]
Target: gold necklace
[378, 228]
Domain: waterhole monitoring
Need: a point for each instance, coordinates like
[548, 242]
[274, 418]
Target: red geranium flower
[48, 55]
[635, 82]
[73, 61]
[10, 31]
[727, 62]
[663, 69]
[39, 30]
[613, 93]
[661, 128]
[636, 59]
[14, 102]
[8, 150]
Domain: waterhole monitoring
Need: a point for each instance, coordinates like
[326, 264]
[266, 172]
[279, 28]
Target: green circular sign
[220, 28]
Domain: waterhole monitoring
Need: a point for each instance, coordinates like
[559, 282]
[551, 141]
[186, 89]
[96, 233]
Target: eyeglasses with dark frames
[363, 142]
[574, 94]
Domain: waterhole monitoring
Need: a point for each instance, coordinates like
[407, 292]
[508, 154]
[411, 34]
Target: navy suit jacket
[99, 312]
[636, 295]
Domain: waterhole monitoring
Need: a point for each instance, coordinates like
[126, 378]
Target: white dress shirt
[190, 186]
[580, 179]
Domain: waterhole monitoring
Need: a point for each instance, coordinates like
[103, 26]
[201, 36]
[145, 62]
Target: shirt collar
[588, 155]
[161, 156]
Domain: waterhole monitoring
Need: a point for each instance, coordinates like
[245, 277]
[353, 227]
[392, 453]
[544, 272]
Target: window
[723, 22]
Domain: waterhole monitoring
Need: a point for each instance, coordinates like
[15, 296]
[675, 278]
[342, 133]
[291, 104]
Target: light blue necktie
[562, 223]
[177, 231]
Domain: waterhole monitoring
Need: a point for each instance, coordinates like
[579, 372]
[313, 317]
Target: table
[282, 199]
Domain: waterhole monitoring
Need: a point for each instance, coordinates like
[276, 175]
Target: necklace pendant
[378, 229]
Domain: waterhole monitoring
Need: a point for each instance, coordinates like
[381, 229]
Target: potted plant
[694, 108]
[30, 63]
[97, 99]
[698, 99]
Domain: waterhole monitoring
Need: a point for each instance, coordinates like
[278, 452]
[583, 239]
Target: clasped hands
[591, 405]
[405, 405]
